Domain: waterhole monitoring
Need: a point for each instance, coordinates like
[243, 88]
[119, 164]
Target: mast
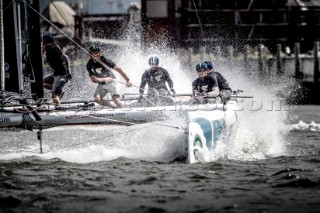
[34, 40]
[17, 31]
[1, 48]
[10, 50]
[14, 33]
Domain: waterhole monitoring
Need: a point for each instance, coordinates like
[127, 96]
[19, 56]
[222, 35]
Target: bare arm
[123, 74]
[96, 79]
[215, 87]
[214, 92]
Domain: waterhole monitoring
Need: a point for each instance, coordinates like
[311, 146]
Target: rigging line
[81, 143]
[106, 66]
[156, 105]
[30, 62]
[133, 123]
[138, 88]
[87, 52]
[98, 139]
[114, 120]
[65, 21]
[4, 10]
[73, 41]
[76, 43]
[144, 89]
[201, 28]
[54, 26]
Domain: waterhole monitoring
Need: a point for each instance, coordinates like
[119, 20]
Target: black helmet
[201, 66]
[209, 64]
[94, 48]
[48, 38]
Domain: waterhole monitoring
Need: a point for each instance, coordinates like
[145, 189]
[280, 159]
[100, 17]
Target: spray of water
[263, 126]
[263, 119]
[263, 123]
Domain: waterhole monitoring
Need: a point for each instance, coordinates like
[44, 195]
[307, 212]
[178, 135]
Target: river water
[101, 169]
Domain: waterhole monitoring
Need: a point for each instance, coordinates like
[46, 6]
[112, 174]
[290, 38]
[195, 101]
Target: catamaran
[204, 125]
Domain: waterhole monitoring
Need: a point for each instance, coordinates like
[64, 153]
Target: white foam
[260, 133]
[302, 126]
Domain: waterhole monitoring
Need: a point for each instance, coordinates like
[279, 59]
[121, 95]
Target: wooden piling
[298, 74]
[278, 59]
[219, 53]
[245, 57]
[202, 53]
[190, 53]
[230, 52]
[260, 61]
[316, 74]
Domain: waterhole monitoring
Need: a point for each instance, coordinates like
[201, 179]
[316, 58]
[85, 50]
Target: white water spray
[260, 133]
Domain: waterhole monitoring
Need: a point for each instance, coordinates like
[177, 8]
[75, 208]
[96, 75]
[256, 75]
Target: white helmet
[153, 60]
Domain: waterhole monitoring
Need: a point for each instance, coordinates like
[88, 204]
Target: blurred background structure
[195, 23]
[273, 37]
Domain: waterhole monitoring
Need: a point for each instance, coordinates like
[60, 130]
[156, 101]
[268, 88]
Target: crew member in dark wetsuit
[156, 78]
[204, 88]
[225, 90]
[59, 62]
[100, 73]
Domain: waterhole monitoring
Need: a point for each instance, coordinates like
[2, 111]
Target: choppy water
[100, 174]
[273, 165]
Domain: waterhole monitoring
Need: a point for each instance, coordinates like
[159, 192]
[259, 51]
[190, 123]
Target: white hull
[207, 130]
[205, 125]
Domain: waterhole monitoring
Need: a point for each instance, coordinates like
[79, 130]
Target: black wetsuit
[204, 85]
[156, 79]
[224, 88]
[97, 69]
[58, 61]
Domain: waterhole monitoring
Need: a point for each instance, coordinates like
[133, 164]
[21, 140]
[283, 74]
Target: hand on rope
[173, 92]
[129, 83]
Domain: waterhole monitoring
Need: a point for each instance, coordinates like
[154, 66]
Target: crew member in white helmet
[156, 77]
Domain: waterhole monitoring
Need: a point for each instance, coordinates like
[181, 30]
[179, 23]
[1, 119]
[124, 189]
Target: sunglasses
[201, 71]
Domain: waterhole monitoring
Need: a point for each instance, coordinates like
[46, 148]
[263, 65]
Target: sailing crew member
[224, 89]
[59, 62]
[205, 88]
[156, 77]
[99, 68]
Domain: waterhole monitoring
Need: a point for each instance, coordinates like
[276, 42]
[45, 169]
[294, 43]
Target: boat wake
[94, 143]
[262, 131]
[302, 126]
[259, 133]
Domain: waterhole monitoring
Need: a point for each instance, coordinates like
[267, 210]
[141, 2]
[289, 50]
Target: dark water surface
[285, 183]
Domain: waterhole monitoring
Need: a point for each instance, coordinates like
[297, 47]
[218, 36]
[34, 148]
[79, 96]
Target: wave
[302, 126]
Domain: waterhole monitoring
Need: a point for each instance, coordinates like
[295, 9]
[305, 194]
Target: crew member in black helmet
[205, 88]
[100, 73]
[224, 88]
[59, 62]
[156, 77]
